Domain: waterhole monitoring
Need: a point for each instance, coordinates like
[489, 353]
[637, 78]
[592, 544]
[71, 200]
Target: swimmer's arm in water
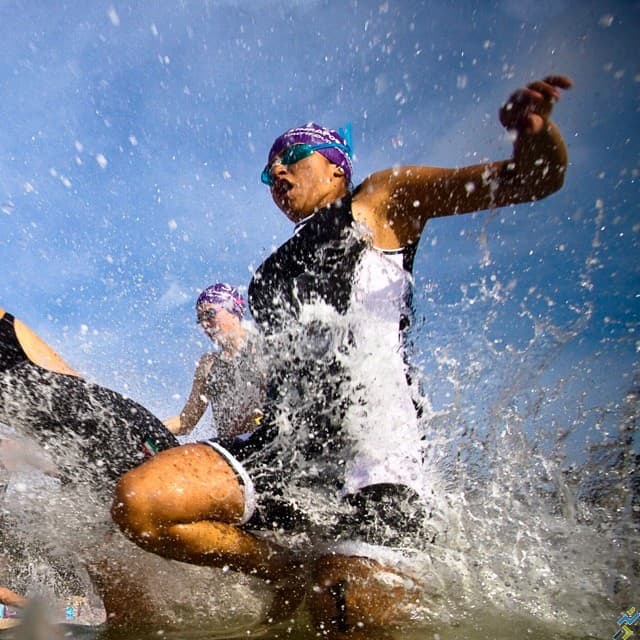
[396, 203]
[197, 401]
[38, 351]
[12, 599]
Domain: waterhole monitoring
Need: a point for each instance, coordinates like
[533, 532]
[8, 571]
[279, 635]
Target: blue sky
[133, 136]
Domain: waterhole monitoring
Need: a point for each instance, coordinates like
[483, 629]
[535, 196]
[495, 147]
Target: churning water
[533, 529]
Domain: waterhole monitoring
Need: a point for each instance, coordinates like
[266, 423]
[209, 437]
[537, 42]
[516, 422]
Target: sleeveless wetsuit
[234, 387]
[332, 305]
[11, 352]
[92, 433]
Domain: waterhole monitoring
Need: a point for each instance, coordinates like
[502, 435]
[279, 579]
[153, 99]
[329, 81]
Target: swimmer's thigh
[182, 485]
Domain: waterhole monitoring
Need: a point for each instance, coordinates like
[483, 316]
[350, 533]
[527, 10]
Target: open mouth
[281, 187]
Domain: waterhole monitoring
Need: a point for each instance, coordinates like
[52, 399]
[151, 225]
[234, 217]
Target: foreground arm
[396, 203]
[11, 598]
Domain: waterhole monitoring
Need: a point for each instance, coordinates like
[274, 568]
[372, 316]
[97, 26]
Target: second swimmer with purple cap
[229, 380]
[339, 428]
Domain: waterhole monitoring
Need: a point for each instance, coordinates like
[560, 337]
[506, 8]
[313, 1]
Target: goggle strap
[346, 135]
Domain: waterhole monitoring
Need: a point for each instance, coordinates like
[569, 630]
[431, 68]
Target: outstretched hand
[527, 110]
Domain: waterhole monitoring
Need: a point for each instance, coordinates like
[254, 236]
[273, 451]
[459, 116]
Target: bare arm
[196, 403]
[396, 203]
[11, 598]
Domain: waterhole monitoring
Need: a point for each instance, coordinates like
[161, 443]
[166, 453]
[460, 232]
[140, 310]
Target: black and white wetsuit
[332, 306]
[91, 433]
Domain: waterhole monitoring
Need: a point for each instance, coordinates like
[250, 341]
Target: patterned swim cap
[313, 133]
[223, 295]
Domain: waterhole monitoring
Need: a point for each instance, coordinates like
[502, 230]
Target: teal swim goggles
[295, 153]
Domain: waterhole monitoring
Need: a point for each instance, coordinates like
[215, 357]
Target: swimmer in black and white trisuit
[91, 433]
[349, 258]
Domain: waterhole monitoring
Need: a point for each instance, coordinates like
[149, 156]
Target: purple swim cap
[225, 296]
[313, 133]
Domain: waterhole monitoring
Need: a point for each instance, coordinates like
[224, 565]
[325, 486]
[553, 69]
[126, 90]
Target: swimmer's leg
[186, 504]
[126, 602]
[355, 597]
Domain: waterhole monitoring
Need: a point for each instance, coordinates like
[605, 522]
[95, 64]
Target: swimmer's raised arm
[396, 203]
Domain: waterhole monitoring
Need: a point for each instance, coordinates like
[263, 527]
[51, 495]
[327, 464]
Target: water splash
[534, 500]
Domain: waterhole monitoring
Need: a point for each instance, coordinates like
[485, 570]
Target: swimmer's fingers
[527, 109]
[562, 82]
[522, 111]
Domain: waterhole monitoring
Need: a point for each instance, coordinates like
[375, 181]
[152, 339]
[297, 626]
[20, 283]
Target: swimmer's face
[217, 322]
[310, 184]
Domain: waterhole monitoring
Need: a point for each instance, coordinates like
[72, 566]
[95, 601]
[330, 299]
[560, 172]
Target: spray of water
[534, 506]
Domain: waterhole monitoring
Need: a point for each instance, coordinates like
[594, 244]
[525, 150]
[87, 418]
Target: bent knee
[130, 508]
[355, 593]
